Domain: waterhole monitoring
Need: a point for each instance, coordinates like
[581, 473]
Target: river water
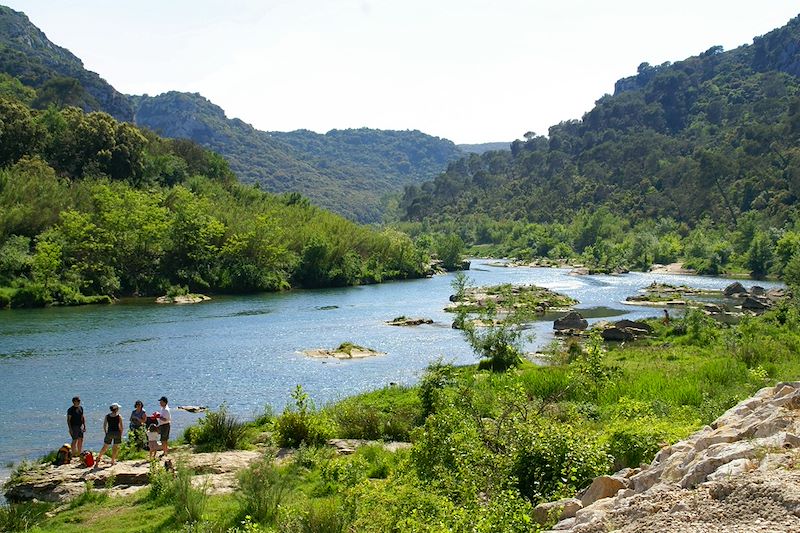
[244, 350]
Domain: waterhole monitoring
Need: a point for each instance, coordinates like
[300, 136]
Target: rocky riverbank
[738, 474]
[51, 483]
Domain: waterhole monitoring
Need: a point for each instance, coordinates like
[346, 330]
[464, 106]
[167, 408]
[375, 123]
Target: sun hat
[115, 406]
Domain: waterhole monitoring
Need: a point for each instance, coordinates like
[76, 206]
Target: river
[244, 350]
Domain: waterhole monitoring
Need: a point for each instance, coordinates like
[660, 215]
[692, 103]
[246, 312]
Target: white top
[153, 435]
[165, 417]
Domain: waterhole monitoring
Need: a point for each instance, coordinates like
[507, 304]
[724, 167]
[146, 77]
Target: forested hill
[713, 136]
[28, 55]
[347, 171]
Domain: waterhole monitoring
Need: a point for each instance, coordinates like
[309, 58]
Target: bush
[301, 425]
[405, 505]
[217, 431]
[437, 376]
[262, 489]
[31, 295]
[5, 299]
[633, 442]
[555, 460]
[388, 414]
[315, 516]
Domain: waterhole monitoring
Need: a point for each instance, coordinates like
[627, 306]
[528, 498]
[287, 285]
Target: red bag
[87, 459]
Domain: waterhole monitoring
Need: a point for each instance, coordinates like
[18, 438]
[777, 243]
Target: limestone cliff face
[739, 474]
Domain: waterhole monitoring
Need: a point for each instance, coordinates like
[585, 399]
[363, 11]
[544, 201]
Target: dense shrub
[302, 424]
[217, 431]
[555, 460]
[386, 414]
[633, 442]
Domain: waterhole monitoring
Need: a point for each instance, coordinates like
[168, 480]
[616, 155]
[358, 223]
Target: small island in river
[346, 350]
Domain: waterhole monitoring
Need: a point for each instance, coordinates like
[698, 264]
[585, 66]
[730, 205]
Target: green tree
[759, 256]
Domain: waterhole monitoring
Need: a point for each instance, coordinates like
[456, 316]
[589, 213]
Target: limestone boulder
[558, 510]
[603, 487]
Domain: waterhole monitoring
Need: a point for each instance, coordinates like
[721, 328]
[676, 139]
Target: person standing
[76, 423]
[137, 426]
[112, 425]
[164, 421]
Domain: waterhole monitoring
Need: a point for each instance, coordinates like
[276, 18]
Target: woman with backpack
[112, 425]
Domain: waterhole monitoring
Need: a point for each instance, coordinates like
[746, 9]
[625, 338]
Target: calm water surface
[245, 350]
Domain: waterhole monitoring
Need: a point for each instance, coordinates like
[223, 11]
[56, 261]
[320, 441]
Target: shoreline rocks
[50, 483]
[738, 474]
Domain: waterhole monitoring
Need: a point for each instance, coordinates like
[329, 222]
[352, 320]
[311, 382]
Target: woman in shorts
[112, 425]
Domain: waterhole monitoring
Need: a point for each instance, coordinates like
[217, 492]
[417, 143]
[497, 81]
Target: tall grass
[22, 516]
[189, 502]
[262, 489]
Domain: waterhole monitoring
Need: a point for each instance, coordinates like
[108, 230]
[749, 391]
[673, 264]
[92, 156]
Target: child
[152, 439]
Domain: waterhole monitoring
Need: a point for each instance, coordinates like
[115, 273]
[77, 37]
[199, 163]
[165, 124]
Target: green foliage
[692, 161]
[262, 490]
[112, 210]
[188, 501]
[301, 424]
[89, 495]
[498, 341]
[591, 369]
[633, 442]
[217, 431]
[437, 376]
[386, 414]
[346, 171]
[449, 249]
[699, 327]
[555, 460]
[22, 516]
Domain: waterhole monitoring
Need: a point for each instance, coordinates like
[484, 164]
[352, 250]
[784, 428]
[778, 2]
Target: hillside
[714, 135]
[27, 54]
[348, 171]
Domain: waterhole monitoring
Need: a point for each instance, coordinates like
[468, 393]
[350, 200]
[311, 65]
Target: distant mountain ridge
[351, 172]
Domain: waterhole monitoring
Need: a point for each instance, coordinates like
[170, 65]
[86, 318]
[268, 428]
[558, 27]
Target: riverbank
[487, 447]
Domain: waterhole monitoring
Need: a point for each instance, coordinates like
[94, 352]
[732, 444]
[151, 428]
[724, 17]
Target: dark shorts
[164, 431]
[113, 437]
[76, 433]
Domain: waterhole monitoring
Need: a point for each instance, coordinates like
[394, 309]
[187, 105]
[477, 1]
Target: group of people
[157, 428]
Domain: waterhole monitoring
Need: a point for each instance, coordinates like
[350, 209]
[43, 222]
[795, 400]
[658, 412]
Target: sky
[470, 71]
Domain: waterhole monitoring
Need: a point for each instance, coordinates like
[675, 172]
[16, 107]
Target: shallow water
[244, 350]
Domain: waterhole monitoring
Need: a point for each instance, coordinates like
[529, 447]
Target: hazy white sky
[467, 70]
